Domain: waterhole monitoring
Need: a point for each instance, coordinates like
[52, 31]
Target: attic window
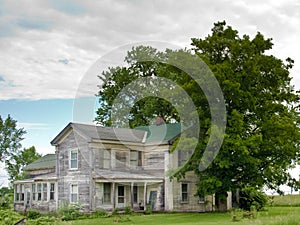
[74, 159]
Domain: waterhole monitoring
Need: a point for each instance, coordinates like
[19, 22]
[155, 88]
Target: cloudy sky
[48, 45]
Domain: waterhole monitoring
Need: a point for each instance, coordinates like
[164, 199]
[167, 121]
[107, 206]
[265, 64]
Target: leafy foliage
[19, 160]
[10, 137]
[6, 198]
[251, 198]
[33, 214]
[9, 217]
[69, 211]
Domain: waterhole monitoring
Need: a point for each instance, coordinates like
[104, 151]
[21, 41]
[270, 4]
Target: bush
[251, 197]
[115, 212]
[99, 213]
[69, 211]
[9, 217]
[33, 214]
[127, 209]
[42, 221]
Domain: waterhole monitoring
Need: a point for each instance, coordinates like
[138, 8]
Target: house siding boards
[89, 157]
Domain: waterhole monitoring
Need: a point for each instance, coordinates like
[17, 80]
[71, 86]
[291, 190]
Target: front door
[121, 196]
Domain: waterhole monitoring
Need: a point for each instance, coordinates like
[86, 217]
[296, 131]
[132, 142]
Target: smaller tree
[10, 138]
[18, 161]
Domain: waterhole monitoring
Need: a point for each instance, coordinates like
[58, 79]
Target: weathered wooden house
[107, 168]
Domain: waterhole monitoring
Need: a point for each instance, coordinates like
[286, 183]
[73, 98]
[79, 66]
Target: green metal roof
[47, 161]
[161, 133]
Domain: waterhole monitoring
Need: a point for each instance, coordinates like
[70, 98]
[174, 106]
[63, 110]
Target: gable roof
[161, 133]
[141, 134]
[45, 162]
[96, 132]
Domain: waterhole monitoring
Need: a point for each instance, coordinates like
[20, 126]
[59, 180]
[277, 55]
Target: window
[44, 198]
[135, 194]
[139, 158]
[184, 192]
[39, 192]
[120, 159]
[74, 193]
[74, 159]
[22, 195]
[33, 191]
[17, 197]
[106, 159]
[183, 157]
[106, 193]
[52, 191]
[133, 159]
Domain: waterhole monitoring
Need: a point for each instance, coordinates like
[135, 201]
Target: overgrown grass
[273, 216]
[286, 200]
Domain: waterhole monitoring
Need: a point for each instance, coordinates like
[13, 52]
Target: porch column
[113, 194]
[131, 191]
[145, 195]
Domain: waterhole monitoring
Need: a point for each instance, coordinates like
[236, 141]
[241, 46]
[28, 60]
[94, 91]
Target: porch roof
[44, 177]
[128, 176]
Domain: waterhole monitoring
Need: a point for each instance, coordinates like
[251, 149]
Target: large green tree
[18, 161]
[262, 134]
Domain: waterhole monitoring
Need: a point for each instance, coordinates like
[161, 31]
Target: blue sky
[48, 46]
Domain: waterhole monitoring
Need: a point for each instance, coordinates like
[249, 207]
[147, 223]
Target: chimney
[159, 120]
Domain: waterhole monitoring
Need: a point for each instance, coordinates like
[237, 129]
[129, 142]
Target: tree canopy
[262, 133]
[18, 161]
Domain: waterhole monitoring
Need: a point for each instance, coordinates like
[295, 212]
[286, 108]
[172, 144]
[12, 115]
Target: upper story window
[106, 159]
[121, 159]
[183, 157]
[135, 159]
[74, 159]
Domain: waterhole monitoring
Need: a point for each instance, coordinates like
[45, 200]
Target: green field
[272, 215]
[286, 200]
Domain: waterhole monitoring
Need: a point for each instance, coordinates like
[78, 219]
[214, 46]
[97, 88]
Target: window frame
[134, 159]
[121, 159]
[52, 192]
[184, 194]
[72, 194]
[39, 191]
[71, 160]
[107, 193]
[106, 159]
[33, 191]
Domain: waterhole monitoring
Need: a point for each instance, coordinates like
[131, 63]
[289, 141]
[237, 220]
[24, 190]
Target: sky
[48, 46]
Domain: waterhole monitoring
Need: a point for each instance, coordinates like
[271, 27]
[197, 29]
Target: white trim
[70, 188]
[70, 153]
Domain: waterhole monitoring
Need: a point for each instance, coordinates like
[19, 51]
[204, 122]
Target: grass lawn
[273, 215]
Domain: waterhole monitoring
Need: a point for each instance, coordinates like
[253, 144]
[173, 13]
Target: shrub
[69, 211]
[115, 211]
[251, 197]
[127, 209]
[9, 217]
[99, 213]
[148, 209]
[33, 214]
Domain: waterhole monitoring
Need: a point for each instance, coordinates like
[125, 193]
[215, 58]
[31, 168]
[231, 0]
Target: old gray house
[107, 168]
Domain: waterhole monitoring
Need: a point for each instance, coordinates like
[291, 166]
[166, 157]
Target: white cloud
[33, 126]
[38, 39]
